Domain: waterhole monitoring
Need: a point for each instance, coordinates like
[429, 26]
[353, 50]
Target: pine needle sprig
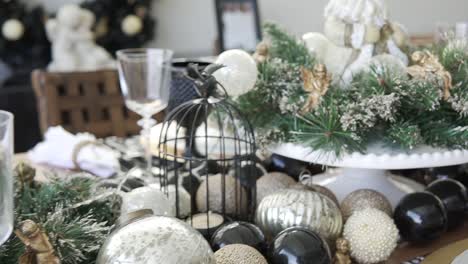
[405, 134]
[459, 101]
[420, 95]
[376, 81]
[454, 57]
[322, 130]
[76, 239]
[287, 47]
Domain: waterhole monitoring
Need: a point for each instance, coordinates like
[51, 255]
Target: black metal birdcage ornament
[214, 148]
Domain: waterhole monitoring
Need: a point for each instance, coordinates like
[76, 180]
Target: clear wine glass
[6, 175]
[145, 78]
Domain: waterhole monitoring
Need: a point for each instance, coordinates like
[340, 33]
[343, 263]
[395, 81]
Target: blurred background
[189, 26]
[192, 28]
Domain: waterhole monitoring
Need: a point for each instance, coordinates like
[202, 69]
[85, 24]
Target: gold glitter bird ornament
[425, 64]
[316, 83]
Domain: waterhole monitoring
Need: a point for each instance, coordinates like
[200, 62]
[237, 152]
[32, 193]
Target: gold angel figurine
[39, 250]
[316, 83]
[261, 54]
[342, 252]
[425, 64]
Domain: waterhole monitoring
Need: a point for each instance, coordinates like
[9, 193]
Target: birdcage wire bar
[230, 147]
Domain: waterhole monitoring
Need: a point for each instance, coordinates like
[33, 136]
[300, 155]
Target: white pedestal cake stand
[369, 171]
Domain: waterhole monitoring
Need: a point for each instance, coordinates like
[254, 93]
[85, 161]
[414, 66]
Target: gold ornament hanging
[426, 64]
[39, 250]
[342, 252]
[261, 53]
[316, 83]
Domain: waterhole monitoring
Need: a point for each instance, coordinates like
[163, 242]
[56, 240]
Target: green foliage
[287, 47]
[382, 103]
[76, 232]
[322, 130]
[405, 134]
[454, 57]
[76, 239]
[279, 94]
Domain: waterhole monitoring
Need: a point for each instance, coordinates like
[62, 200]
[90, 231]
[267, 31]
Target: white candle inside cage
[202, 223]
[221, 145]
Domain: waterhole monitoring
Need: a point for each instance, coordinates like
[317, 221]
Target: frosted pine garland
[383, 103]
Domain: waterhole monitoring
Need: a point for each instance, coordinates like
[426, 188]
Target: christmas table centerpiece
[360, 97]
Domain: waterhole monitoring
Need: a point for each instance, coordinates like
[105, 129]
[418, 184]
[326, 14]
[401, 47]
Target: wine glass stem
[146, 123]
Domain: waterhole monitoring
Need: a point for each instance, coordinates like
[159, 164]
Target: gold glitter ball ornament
[362, 199]
[232, 190]
[239, 254]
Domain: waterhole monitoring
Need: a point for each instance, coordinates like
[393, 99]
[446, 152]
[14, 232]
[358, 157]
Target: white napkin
[57, 150]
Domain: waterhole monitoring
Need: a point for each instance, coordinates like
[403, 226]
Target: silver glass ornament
[272, 182]
[296, 207]
[156, 239]
[147, 198]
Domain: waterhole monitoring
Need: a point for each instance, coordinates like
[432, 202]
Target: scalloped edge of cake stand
[379, 157]
[369, 171]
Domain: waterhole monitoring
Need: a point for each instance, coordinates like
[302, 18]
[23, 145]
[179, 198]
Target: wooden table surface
[406, 252]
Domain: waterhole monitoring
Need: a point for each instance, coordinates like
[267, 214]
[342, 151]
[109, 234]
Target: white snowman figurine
[73, 45]
[355, 32]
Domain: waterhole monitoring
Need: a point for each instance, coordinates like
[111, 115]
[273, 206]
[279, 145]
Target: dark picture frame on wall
[238, 24]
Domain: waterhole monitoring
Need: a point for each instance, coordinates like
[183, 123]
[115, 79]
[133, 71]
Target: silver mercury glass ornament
[146, 238]
[298, 207]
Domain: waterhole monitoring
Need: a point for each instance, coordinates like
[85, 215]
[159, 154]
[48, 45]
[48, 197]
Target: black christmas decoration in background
[110, 17]
[32, 50]
[28, 47]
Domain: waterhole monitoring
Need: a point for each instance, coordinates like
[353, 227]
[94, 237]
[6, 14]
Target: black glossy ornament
[420, 217]
[249, 173]
[239, 233]
[297, 245]
[454, 197]
[292, 167]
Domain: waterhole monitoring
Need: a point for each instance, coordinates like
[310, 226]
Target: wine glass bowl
[145, 76]
[145, 79]
[6, 175]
